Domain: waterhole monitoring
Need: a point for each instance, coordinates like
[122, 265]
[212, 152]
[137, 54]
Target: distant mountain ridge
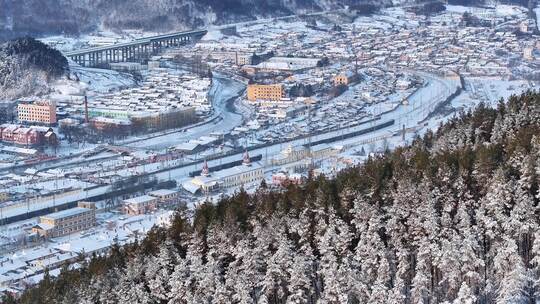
[71, 17]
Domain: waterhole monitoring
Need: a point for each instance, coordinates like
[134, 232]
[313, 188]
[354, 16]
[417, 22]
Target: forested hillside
[27, 66]
[451, 219]
[73, 17]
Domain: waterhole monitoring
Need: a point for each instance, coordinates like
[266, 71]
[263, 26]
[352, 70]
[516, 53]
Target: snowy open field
[90, 81]
[491, 91]
[499, 10]
[99, 38]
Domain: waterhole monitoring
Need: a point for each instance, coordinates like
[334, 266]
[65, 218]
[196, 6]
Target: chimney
[86, 120]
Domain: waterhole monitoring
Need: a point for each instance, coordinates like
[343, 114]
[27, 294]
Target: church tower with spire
[205, 170]
[246, 161]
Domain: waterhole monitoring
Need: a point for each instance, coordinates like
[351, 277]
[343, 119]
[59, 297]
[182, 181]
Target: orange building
[28, 136]
[345, 78]
[265, 92]
[42, 112]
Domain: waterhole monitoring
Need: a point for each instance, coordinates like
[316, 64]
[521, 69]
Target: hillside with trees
[75, 17]
[451, 219]
[27, 66]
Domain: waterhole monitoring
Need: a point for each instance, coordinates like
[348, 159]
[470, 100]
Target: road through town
[419, 106]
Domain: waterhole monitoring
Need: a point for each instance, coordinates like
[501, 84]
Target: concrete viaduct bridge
[135, 51]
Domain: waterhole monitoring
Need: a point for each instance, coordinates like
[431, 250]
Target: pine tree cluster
[451, 219]
[27, 66]
[74, 17]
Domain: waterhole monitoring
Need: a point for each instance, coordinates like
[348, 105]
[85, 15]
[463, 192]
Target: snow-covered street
[222, 93]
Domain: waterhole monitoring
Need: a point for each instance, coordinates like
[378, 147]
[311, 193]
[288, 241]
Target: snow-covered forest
[27, 66]
[73, 17]
[451, 219]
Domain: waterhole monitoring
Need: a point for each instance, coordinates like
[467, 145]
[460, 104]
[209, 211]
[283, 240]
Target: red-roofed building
[8, 132]
[27, 136]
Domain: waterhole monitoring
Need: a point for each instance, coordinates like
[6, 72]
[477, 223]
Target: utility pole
[86, 120]
[310, 154]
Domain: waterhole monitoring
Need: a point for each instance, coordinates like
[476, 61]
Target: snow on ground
[92, 81]
[64, 44]
[509, 10]
[457, 8]
[395, 11]
[65, 148]
[420, 105]
[100, 80]
[223, 119]
[491, 91]
[213, 35]
[369, 22]
[125, 230]
[60, 184]
[499, 10]
[395, 18]
[537, 11]
[99, 38]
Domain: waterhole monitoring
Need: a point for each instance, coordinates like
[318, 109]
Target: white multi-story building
[247, 173]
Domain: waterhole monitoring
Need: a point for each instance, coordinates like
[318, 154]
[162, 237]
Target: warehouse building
[65, 222]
